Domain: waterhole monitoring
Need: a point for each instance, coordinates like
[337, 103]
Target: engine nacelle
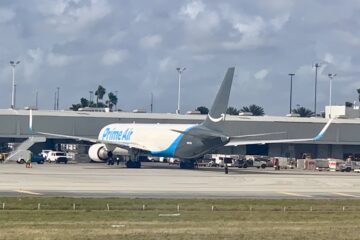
[101, 153]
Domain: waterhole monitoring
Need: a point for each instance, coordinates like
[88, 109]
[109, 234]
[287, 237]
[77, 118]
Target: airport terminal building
[341, 139]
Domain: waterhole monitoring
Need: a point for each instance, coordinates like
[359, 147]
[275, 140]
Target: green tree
[303, 112]
[232, 111]
[84, 102]
[112, 100]
[202, 110]
[99, 93]
[254, 109]
[75, 107]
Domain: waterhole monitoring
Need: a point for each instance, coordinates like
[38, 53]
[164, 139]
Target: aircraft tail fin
[216, 116]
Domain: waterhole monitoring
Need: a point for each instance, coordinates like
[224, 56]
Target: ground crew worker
[276, 164]
[28, 161]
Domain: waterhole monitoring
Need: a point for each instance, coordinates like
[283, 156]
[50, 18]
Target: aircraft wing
[238, 142]
[126, 145]
[77, 138]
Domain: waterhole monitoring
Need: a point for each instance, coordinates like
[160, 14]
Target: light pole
[36, 100]
[291, 78]
[58, 98]
[331, 77]
[13, 65]
[151, 102]
[91, 98]
[180, 71]
[316, 65]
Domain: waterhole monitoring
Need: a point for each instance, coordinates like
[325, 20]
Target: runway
[162, 181]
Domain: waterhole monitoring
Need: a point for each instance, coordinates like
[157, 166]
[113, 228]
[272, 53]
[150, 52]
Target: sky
[134, 47]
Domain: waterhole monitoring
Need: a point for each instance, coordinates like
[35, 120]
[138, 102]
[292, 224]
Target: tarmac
[165, 181]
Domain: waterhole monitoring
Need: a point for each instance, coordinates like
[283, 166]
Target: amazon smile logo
[222, 118]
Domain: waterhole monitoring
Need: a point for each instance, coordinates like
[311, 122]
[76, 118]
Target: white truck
[259, 164]
[219, 160]
[57, 157]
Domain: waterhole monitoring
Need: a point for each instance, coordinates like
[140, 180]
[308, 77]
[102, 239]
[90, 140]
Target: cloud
[192, 9]
[34, 59]
[150, 41]
[166, 64]
[73, 16]
[279, 22]
[6, 15]
[260, 75]
[249, 31]
[113, 56]
[59, 60]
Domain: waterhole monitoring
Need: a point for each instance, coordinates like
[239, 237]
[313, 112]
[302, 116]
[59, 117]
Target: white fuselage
[158, 139]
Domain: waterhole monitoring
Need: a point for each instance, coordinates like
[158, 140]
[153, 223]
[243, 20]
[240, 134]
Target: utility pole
[316, 65]
[180, 71]
[36, 99]
[331, 77]
[151, 102]
[13, 64]
[291, 79]
[91, 96]
[55, 100]
[15, 86]
[58, 98]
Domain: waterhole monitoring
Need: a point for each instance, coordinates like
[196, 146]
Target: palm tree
[112, 100]
[100, 92]
[303, 112]
[254, 109]
[232, 111]
[202, 110]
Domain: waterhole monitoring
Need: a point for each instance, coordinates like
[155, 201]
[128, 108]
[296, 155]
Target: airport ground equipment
[34, 159]
[57, 157]
[21, 150]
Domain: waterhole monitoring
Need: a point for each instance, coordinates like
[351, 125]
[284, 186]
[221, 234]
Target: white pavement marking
[27, 192]
[296, 194]
[346, 195]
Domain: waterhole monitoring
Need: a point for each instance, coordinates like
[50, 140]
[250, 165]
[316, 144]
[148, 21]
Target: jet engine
[101, 153]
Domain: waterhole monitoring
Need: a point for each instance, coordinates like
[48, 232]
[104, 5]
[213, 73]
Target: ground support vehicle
[57, 157]
[34, 159]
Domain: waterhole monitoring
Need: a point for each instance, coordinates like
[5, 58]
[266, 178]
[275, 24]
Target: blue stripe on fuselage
[170, 151]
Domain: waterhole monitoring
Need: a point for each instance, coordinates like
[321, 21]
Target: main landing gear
[188, 164]
[134, 161]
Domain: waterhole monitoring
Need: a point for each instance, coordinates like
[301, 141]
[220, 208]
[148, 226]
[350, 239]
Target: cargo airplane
[183, 141]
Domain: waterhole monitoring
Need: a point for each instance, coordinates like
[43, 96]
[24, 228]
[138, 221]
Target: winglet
[322, 132]
[30, 120]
